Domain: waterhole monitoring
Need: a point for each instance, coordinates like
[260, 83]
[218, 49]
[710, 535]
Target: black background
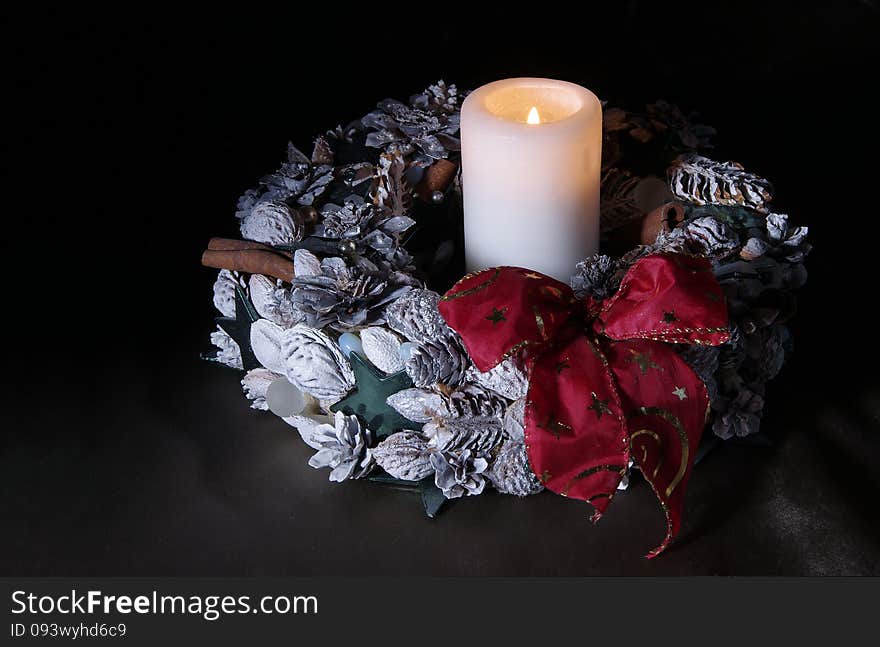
[131, 136]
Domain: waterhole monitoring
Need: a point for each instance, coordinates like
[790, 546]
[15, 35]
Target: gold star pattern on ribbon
[553, 425]
[680, 392]
[599, 406]
[643, 360]
[533, 275]
[497, 316]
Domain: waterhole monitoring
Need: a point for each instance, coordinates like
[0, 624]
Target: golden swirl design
[673, 420]
[652, 434]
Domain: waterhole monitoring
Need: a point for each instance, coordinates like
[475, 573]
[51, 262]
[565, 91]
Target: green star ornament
[367, 401]
[239, 328]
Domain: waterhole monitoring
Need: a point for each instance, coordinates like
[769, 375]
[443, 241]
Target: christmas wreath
[332, 303]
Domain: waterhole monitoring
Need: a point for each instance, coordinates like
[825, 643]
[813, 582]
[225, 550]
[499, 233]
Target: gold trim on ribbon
[620, 469]
[476, 288]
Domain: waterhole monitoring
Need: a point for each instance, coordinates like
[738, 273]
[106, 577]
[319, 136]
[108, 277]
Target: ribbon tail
[665, 405]
[574, 423]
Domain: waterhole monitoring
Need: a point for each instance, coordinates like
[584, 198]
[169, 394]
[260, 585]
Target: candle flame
[534, 117]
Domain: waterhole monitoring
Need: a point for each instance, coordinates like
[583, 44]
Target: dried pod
[703, 181]
[505, 379]
[510, 472]
[314, 363]
[404, 455]
[266, 340]
[271, 223]
[305, 263]
[659, 221]
[272, 301]
[419, 405]
[382, 348]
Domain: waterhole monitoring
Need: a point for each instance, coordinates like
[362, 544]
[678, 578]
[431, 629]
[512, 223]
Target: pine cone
[416, 316]
[443, 360]
[427, 128]
[739, 415]
[228, 352]
[440, 355]
[787, 242]
[344, 297]
[464, 452]
[298, 180]
[345, 448]
[255, 384]
[438, 98]
[700, 180]
[472, 400]
[594, 276]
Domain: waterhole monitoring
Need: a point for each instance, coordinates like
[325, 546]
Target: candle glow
[534, 118]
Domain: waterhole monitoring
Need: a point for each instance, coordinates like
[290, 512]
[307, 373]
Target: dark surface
[124, 454]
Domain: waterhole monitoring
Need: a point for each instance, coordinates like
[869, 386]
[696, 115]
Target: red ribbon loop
[604, 383]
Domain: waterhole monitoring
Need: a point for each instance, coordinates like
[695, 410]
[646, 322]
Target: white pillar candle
[531, 155]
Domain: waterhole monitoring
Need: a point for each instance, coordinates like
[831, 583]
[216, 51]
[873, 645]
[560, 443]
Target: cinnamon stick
[437, 177]
[225, 244]
[232, 244]
[255, 260]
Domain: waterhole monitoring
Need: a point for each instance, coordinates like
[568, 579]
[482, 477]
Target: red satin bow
[604, 383]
